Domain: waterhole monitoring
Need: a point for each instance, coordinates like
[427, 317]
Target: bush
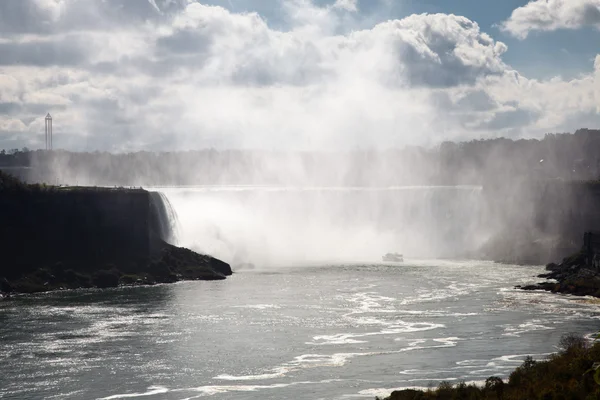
[567, 375]
[106, 279]
[493, 384]
[571, 343]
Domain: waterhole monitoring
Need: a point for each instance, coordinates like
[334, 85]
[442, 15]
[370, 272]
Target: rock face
[52, 238]
[575, 275]
[536, 222]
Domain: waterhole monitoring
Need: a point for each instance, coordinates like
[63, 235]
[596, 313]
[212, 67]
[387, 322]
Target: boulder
[5, 286]
[106, 279]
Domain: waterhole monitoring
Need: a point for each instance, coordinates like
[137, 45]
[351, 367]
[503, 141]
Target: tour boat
[393, 257]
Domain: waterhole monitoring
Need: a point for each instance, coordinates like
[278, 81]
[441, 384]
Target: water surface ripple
[329, 332]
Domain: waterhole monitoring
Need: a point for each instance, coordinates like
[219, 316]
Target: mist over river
[273, 226]
[310, 313]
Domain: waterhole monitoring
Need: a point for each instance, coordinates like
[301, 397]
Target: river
[341, 331]
[310, 313]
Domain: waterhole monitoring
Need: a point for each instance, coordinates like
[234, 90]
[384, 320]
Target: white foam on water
[432, 313]
[299, 362]
[214, 390]
[340, 338]
[393, 328]
[370, 302]
[450, 291]
[449, 341]
[416, 345]
[417, 342]
[472, 363]
[305, 361]
[405, 327]
[259, 306]
[518, 358]
[152, 391]
[211, 390]
[65, 395]
[530, 326]
[424, 372]
[278, 372]
[382, 392]
[385, 392]
[323, 360]
[366, 320]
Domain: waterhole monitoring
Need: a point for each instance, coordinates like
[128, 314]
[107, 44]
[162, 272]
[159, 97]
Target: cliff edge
[71, 237]
[578, 274]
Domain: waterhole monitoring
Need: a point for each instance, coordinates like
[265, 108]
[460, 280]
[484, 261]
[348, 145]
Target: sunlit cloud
[131, 75]
[551, 15]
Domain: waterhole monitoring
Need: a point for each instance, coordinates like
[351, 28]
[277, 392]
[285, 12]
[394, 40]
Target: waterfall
[274, 225]
[164, 220]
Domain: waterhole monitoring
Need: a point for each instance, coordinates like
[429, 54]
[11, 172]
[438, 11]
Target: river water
[302, 317]
[344, 331]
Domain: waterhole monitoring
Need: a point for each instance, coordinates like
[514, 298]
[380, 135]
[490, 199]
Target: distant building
[48, 132]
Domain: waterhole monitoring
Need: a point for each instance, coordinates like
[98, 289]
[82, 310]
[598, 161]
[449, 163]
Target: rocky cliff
[52, 237]
[538, 222]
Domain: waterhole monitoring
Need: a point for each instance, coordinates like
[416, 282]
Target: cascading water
[164, 219]
[270, 226]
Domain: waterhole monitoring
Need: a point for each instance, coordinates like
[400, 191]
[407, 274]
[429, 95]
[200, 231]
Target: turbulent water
[274, 225]
[309, 314]
[327, 332]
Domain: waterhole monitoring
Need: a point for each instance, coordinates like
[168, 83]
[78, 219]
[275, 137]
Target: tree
[495, 385]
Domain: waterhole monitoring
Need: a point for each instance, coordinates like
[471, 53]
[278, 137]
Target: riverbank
[570, 374]
[574, 276]
[54, 238]
[172, 264]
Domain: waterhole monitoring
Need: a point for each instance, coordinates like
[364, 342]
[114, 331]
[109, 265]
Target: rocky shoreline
[171, 264]
[572, 276]
[54, 238]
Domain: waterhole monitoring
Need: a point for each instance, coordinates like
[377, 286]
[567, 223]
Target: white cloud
[12, 124]
[10, 90]
[550, 15]
[53, 8]
[440, 50]
[197, 76]
[597, 82]
[348, 5]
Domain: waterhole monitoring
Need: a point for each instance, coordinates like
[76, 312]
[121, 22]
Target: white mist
[270, 227]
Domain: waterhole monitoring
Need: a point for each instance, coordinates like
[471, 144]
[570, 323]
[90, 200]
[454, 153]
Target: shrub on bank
[568, 374]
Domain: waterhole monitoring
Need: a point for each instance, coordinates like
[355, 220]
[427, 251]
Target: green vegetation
[500, 160]
[10, 184]
[570, 374]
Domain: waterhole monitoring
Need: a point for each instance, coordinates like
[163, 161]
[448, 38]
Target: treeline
[11, 184]
[556, 156]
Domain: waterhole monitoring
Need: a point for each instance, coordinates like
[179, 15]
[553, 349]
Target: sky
[162, 75]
